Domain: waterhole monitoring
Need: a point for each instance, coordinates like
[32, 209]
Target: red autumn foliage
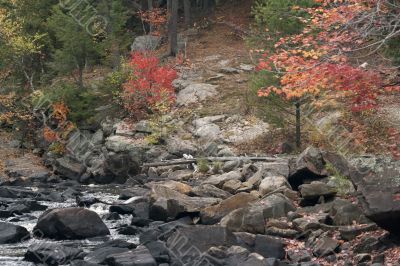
[149, 88]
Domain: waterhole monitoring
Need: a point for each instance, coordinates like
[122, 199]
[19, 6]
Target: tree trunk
[187, 7]
[173, 28]
[298, 125]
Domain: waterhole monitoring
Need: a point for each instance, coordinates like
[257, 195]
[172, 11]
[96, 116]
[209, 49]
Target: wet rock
[215, 213]
[13, 192]
[122, 209]
[269, 247]
[208, 190]
[10, 233]
[70, 223]
[140, 222]
[361, 258]
[166, 203]
[53, 254]
[86, 201]
[112, 216]
[129, 230]
[140, 256]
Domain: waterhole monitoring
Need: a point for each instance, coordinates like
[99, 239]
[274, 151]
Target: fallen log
[210, 159]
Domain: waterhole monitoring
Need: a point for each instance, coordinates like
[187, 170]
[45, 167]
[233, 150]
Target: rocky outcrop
[70, 223]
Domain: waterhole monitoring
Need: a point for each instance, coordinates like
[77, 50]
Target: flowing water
[13, 254]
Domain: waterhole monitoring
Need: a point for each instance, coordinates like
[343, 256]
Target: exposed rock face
[377, 179]
[69, 168]
[195, 93]
[70, 223]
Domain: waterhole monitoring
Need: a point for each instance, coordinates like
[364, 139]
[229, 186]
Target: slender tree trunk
[173, 28]
[298, 125]
[80, 78]
[187, 8]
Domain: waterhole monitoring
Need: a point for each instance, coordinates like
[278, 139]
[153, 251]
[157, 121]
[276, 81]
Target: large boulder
[166, 203]
[69, 168]
[70, 223]
[252, 218]
[53, 254]
[213, 214]
[312, 192]
[309, 165]
[377, 180]
[208, 190]
[10, 233]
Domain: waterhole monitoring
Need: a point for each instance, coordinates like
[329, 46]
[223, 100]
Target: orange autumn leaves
[316, 61]
[59, 113]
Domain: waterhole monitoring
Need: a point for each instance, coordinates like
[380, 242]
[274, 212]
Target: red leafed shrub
[149, 88]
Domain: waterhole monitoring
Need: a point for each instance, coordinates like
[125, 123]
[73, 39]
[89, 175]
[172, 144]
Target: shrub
[149, 88]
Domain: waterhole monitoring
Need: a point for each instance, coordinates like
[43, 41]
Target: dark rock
[13, 193]
[98, 256]
[129, 230]
[141, 256]
[122, 209]
[141, 222]
[159, 251]
[86, 201]
[309, 165]
[69, 168]
[376, 178]
[197, 240]
[70, 223]
[367, 245]
[53, 254]
[360, 258]
[10, 233]
[269, 247]
[346, 213]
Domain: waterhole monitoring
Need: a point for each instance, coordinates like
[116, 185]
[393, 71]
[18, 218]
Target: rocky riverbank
[316, 208]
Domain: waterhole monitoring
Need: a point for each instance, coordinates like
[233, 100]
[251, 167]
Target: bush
[149, 87]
